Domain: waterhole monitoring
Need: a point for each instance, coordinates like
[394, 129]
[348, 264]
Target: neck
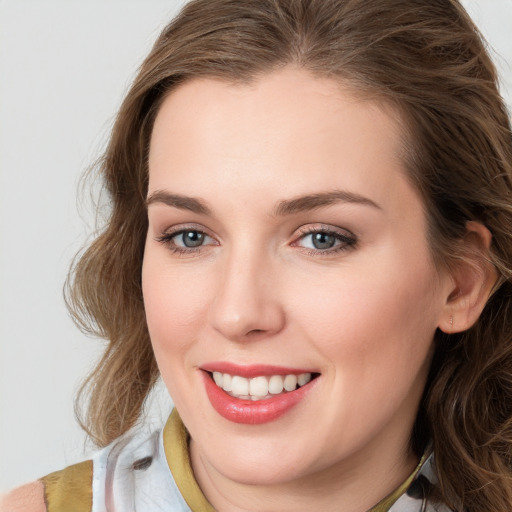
[354, 485]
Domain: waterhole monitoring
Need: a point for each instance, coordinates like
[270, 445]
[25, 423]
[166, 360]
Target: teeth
[217, 377]
[303, 378]
[290, 382]
[239, 385]
[226, 382]
[275, 384]
[259, 388]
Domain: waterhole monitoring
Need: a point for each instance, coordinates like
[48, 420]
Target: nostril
[255, 332]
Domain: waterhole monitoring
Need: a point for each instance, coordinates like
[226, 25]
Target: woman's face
[285, 244]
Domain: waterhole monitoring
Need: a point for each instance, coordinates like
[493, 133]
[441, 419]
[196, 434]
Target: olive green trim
[69, 489]
[176, 452]
[385, 504]
[176, 438]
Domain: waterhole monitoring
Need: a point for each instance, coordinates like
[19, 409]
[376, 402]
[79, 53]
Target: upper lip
[252, 370]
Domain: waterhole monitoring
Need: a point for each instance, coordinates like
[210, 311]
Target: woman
[310, 241]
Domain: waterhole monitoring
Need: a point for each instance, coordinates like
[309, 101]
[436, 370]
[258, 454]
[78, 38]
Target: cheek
[176, 308]
[383, 315]
[175, 312]
[375, 330]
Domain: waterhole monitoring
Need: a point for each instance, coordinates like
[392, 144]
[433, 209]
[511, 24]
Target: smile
[254, 395]
[261, 387]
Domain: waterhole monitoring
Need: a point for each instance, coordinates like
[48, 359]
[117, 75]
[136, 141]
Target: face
[287, 248]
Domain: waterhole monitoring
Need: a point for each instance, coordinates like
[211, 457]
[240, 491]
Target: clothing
[153, 474]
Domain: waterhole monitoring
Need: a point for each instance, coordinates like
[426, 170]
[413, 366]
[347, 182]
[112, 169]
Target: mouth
[256, 394]
[261, 387]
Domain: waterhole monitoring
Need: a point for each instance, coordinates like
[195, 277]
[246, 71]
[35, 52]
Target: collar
[176, 439]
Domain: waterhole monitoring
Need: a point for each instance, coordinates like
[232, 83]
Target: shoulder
[131, 470]
[27, 498]
[68, 489]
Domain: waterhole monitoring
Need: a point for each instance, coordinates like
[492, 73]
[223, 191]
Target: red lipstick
[253, 370]
[251, 412]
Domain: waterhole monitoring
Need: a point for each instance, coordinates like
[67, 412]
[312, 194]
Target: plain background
[64, 68]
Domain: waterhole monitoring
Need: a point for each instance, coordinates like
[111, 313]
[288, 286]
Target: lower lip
[251, 412]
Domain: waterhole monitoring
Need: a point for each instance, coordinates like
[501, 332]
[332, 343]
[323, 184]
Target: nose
[246, 305]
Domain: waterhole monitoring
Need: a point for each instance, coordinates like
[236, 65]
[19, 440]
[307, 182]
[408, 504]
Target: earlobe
[473, 278]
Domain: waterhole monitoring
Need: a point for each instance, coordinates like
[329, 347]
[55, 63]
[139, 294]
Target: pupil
[323, 240]
[192, 238]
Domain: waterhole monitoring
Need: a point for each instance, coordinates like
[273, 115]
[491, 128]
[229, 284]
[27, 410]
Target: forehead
[287, 128]
[290, 96]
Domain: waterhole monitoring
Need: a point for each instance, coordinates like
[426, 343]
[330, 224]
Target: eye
[323, 240]
[190, 238]
[186, 240]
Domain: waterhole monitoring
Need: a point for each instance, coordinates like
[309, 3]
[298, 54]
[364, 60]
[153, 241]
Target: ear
[473, 278]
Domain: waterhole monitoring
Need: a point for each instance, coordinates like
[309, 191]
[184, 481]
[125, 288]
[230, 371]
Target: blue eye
[321, 240]
[190, 238]
[186, 240]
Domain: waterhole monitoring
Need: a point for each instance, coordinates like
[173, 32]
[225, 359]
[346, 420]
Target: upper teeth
[259, 388]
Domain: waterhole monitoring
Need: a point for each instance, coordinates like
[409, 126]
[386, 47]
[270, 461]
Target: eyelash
[347, 239]
[167, 240]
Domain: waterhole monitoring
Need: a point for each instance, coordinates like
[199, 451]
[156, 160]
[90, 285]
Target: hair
[427, 59]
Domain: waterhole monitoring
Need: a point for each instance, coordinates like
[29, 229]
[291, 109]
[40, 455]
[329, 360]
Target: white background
[64, 67]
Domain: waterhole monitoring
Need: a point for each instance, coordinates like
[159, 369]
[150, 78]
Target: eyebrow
[283, 208]
[320, 200]
[178, 201]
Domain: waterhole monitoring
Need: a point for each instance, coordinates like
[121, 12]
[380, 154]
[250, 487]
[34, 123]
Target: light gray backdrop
[64, 67]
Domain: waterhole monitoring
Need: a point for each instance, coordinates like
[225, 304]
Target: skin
[258, 292]
[27, 498]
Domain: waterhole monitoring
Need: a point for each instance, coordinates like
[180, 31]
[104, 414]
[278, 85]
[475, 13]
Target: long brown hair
[427, 59]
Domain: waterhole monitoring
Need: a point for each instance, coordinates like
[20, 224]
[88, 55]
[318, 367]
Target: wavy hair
[427, 59]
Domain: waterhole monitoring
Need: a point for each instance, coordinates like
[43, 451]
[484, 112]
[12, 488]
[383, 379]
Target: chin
[258, 473]
[258, 460]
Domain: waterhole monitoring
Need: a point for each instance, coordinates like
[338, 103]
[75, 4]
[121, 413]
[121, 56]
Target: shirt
[152, 473]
